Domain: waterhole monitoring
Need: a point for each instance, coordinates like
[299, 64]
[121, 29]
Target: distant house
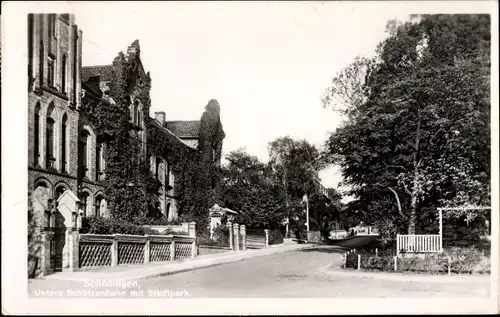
[216, 214]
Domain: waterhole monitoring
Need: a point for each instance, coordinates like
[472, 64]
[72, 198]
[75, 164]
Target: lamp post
[306, 200]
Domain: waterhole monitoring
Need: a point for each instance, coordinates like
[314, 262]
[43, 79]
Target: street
[297, 274]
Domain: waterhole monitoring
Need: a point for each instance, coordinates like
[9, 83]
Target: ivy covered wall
[130, 186]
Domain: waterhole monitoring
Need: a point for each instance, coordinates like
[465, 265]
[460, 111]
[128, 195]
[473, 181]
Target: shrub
[34, 240]
[276, 236]
[221, 233]
[160, 221]
[462, 261]
[99, 225]
[168, 231]
[220, 237]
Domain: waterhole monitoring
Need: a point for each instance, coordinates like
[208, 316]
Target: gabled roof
[105, 72]
[170, 133]
[184, 129]
[217, 208]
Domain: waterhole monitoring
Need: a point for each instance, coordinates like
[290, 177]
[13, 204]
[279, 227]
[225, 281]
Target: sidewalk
[144, 271]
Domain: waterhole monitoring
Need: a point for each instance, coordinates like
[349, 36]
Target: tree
[417, 119]
[248, 188]
[295, 165]
[324, 212]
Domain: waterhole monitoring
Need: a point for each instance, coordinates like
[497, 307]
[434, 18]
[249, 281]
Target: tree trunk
[415, 190]
[413, 212]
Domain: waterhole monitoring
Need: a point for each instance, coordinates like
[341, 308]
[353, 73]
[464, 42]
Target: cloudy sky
[266, 63]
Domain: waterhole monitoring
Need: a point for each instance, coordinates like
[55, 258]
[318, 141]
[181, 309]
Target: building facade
[54, 97]
[65, 150]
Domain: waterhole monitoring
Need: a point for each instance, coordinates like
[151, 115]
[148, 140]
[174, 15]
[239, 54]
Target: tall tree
[248, 188]
[417, 118]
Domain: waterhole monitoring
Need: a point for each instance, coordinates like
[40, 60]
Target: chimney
[160, 117]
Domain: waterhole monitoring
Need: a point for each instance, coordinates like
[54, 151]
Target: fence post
[192, 233]
[449, 265]
[172, 249]
[395, 263]
[359, 261]
[74, 248]
[345, 260]
[114, 252]
[376, 252]
[229, 225]
[243, 231]
[236, 234]
[266, 231]
[146, 250]
[397, 245]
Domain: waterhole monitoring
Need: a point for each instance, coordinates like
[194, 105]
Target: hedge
[100, 225]
[220, 237]
[459, 260]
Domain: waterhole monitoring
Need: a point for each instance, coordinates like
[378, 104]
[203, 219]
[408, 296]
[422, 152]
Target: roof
[170, 133]
[105, 72]
[184, 129]
[217, 208]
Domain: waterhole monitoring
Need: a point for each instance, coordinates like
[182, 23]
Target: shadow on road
[340, 246]
[323, 249]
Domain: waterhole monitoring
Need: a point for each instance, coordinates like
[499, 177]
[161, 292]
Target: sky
[267, 64]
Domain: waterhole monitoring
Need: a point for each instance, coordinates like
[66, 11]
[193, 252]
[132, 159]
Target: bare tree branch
[404, 185]
[399, 203]
[395, 166]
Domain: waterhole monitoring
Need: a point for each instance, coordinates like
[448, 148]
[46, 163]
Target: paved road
[289, 274]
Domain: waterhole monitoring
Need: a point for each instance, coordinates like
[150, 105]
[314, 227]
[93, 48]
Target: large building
[65, 151]
[54, 97]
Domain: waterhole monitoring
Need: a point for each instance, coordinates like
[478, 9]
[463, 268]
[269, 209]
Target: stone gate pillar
[192, 233]
[229, 226]
[243, 232]
[236, 233]
[266, 231]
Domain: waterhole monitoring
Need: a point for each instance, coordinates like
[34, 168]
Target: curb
[331, 270]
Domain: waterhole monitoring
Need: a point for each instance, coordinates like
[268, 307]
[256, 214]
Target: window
[52, 25]
[99, 160]
[167, 212]
[83, 203]
[63, 70]
[75, 62]
[37, 134]
[40, 61]
[50, 75]
[50, 159]
[134, 113]
[98, 201]
[138, 114]
[157, 167]
[168, 175]
[64, 141]
[30, 45]
[84, 153]
[59, 191]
